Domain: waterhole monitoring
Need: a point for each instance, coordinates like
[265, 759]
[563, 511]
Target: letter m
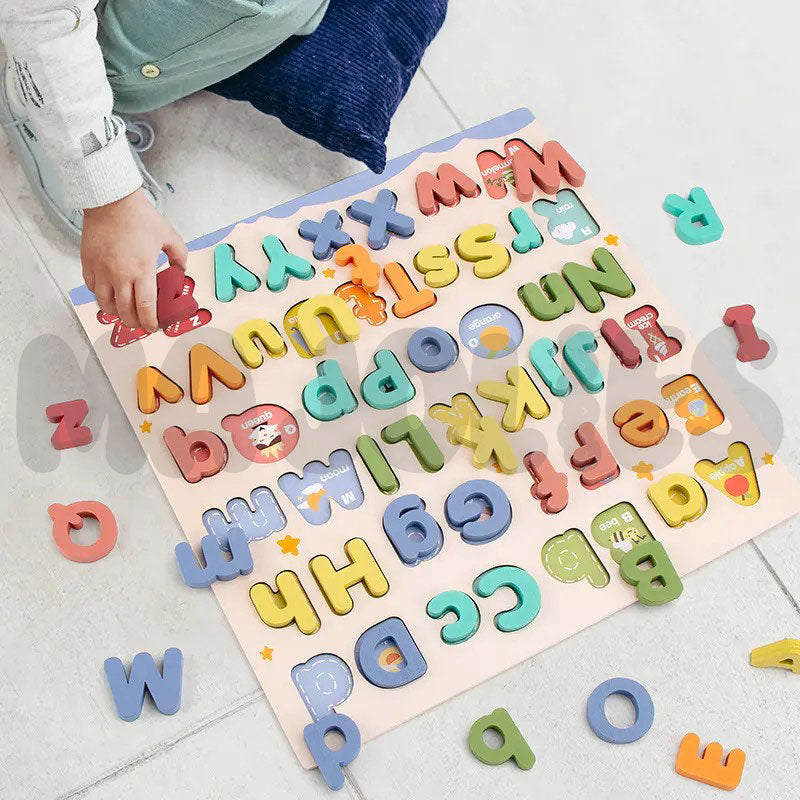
[448, 186]
[526, 167]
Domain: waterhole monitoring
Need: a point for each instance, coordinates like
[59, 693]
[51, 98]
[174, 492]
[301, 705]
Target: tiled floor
[654, 98]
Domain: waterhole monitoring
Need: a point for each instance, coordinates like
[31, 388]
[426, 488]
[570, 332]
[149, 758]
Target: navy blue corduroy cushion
[342, 84]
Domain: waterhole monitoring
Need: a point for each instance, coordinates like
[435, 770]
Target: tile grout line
[789, 596]
[352, 785]
[442, 100]
[165, 746]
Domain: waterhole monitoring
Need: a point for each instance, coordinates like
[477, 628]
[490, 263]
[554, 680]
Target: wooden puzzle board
[566, 607]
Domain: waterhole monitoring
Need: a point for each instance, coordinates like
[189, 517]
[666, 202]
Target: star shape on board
[612, 239]
[767, 458]
[266, 653]
[145, 426]
[288, 544]
[643, 470]
[329, 273]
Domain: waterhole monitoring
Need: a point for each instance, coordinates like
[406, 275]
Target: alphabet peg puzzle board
[509, 282]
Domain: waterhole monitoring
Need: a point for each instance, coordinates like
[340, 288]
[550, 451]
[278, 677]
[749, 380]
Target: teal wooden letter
[282, 264]
[542, 356]
[230, 275]
[576, 354]
[387, 386]
[528, 237]
[328, 396]
[524, 586]
[689, 212]
[468, 618]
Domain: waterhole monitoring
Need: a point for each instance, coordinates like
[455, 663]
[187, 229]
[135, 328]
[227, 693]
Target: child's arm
[59, 76]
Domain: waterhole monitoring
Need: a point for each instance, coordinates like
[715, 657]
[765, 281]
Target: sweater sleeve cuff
[107, 175]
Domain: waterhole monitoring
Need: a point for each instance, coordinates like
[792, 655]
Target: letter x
[326, 235]
[382, 219]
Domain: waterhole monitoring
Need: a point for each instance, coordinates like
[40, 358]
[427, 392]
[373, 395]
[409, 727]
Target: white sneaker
[43, 177]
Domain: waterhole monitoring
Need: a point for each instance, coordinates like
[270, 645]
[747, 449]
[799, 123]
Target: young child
[333, 70]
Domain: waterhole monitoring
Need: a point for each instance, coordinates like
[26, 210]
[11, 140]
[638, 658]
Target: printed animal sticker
[312, 492]
[491, 331]
[263, 434]
[734, 476]
[619, 529]
[567, 218]
[693, 403]
[366, 305]
[296, 338]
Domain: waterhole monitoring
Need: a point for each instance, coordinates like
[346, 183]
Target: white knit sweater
[56, 78]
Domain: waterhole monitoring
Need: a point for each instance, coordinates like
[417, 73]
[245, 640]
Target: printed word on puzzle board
[429, 413]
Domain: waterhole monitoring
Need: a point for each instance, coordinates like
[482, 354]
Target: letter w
[165, 689]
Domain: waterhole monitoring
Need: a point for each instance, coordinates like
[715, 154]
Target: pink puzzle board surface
[267, 434]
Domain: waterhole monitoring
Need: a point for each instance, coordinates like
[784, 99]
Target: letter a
[514, 745]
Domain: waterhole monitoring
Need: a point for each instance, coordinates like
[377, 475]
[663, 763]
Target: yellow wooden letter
[488, 439]
[244, 342]
[289, 604]
[151, 385]
[435, 264]
[678, 498]
[335, 583]
[476, 245]
[784, 654]
[520, 395]
[311, 329]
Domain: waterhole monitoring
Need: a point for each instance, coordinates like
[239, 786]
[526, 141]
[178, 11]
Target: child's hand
[119, 249]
